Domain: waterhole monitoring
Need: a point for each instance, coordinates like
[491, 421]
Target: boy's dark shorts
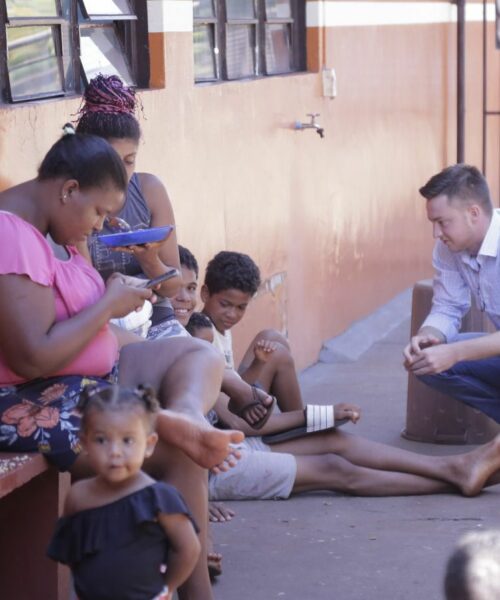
[41, 416]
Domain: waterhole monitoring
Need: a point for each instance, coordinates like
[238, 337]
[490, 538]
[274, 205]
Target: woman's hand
[130, 280]
[124, 298]
[148, 251]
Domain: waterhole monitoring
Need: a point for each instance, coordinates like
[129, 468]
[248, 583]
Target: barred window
[53, 48]
[239, 39]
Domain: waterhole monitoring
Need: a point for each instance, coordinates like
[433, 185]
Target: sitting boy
[231, 281]
[250, 403]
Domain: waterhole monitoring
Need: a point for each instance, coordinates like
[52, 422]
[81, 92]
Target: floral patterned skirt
[41, 416]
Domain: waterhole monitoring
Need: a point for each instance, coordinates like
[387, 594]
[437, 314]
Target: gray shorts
[259, 475]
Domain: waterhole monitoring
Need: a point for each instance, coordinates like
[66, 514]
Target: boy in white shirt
[231, 281]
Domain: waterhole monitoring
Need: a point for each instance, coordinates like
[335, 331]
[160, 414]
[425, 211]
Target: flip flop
[318, 418]
[240, 412]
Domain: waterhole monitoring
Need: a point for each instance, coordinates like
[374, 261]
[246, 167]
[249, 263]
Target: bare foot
[229, 462]
[494, 479]
[214, 562]
[219, 513]
[344, 412]
[204, 444]
[473, 469]
[214, 559]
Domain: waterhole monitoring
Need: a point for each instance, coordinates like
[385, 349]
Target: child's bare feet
[204, 444]
[471, 471]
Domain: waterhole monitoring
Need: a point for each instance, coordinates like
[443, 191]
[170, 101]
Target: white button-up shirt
[458, 274]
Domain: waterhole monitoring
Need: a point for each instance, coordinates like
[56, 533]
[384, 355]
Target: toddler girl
[124, 535]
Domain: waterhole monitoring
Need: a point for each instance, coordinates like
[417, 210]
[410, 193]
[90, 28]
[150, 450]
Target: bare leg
[331, 472]
[186, 372]
[278, 375]
[187, 375]
[468, 471]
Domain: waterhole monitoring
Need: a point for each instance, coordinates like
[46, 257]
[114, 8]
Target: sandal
[318, 418]
[240, 412]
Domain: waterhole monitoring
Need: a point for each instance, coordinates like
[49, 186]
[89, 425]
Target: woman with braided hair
[108, 110]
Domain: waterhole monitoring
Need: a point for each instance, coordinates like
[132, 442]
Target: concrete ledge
[356, 340]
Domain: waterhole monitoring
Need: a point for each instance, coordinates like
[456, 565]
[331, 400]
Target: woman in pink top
[55, 337]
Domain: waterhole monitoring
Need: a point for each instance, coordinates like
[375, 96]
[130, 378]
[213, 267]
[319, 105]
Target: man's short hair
[462, 182]
[232, 270]
[473, 569]
[187, 260]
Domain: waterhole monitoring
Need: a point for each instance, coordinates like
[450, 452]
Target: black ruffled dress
[116, 551]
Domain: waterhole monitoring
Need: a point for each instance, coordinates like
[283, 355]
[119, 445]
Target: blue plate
[136, 238]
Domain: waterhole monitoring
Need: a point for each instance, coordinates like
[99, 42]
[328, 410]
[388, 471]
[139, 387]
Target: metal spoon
[118, 225]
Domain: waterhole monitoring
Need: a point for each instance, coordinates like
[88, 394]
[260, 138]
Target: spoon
[118, 225]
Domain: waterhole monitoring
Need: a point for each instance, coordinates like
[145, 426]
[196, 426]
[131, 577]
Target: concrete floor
[329, 546]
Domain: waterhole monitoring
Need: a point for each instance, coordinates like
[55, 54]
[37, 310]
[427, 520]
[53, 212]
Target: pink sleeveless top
[75, 283]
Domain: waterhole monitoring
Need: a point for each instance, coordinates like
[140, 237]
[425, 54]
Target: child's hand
[263, 349]
[347, 411]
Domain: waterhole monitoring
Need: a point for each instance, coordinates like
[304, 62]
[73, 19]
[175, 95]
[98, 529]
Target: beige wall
[337, 221]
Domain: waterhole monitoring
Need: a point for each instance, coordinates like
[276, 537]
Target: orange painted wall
[337, 221]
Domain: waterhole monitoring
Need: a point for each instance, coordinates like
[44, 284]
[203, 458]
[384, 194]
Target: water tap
[313, 124]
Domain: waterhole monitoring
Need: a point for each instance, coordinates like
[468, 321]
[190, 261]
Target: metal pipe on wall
[460, 81]
[485, 69]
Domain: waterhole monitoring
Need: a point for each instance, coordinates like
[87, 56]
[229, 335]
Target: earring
[64, 197]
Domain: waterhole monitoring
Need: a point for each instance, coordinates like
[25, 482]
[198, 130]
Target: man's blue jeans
[475, 382]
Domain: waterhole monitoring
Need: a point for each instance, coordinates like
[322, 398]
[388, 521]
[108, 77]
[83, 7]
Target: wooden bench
[31, 499]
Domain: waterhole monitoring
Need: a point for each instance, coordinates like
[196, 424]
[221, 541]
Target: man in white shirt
[466, 259]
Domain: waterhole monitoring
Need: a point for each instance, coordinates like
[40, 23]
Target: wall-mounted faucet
[311, 125]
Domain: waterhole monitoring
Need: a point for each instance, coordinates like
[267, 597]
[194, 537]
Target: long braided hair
[108, 109]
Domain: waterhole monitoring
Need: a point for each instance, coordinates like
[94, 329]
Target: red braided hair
[108, 109]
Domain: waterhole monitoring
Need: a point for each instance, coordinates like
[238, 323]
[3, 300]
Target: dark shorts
[41, 416]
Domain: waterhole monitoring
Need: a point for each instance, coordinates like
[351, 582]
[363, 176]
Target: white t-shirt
[224, 343]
